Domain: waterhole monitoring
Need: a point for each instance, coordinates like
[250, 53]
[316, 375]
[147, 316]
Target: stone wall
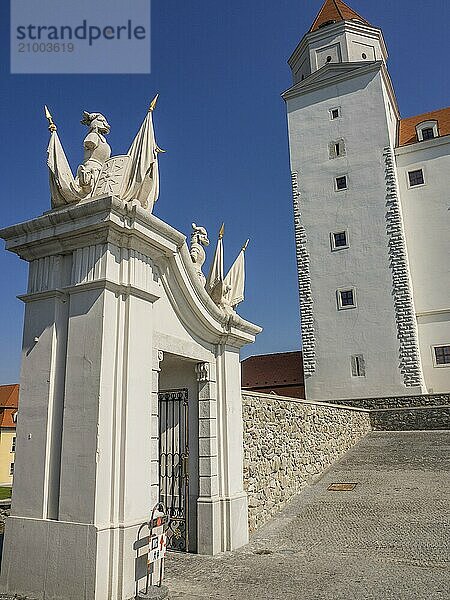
[405, 413]
[411, 419]
[289, 441]
[397, 401]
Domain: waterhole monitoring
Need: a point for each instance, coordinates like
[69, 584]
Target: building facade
[280, 373]
[371, 219]
[9, 402]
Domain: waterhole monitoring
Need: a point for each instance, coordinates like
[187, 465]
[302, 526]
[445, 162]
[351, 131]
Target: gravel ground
[387, 539]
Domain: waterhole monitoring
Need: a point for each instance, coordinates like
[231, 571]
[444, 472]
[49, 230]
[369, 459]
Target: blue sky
[219, 68]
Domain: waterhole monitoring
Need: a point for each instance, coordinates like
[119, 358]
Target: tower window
[358, 365]
[13, 444]
[335, 113]
[428, 133]
[339, 240]
[11, 469]
[346, 298]
[330, 22]
[341, 183]
[441, 356]
[416, 177]
[336, 148]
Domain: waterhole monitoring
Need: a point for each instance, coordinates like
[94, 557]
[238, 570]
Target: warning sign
[157, 547]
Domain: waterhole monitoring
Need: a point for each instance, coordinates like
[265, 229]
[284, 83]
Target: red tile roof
[9, 402]
[407, 129]
[335, 10]
[272, 370]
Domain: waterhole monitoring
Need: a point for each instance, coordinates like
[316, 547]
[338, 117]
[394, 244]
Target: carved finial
[222, 231]
[48, 116]
[153, 103]
[244, 247]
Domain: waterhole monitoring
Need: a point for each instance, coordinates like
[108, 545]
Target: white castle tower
[371, 219]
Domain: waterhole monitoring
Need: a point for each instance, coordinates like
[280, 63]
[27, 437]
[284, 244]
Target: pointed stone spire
[333, 11]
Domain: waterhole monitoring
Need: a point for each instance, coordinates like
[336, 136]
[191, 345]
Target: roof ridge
[338, 9]
[271, 354]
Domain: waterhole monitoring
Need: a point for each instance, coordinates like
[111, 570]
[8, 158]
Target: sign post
[156, 543]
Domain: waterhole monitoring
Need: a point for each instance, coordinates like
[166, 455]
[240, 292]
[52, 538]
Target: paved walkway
[388, 539]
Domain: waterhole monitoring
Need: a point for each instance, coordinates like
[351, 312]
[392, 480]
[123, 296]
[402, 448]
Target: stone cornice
[97, 221]
[322, 78]
[112, 222]
[422, 145]
[99, 284]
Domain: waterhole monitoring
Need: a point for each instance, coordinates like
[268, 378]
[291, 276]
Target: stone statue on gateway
[131, 176]
[96, 152]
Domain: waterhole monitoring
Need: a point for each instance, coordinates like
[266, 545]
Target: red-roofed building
[280, 373]
[436, 123]
[372, 218]
[9, 403]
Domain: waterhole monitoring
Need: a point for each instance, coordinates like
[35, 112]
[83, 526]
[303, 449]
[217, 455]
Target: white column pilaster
[208, 503]
[233, 498]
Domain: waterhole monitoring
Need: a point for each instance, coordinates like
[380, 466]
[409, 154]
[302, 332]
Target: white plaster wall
[168, 326]
[34, 424]
[357, 43]
[336, 38]
[392, 115]
[369, 329]
[230, 437]
[426, 219]
[79, 442]
[229, 382]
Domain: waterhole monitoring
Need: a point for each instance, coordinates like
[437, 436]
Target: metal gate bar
[173, 470]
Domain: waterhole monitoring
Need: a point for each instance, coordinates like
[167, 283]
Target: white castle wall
[426, 217]
[371, 328]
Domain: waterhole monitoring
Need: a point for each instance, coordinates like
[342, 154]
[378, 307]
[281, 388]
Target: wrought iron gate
[173, 464]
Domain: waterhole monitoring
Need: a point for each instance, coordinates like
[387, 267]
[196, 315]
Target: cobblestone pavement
[387, 539]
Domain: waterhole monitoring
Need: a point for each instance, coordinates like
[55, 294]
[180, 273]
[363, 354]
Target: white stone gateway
[129, 394]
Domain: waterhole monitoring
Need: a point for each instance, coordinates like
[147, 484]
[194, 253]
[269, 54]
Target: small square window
[339, 240]
[346, 298]
[428, 133]
[335, 113]
[11, 469]
[341, 183]
[442, 355]
[415, 177]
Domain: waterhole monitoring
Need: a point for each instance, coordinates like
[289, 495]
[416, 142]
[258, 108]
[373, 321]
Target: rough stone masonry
[287, 442]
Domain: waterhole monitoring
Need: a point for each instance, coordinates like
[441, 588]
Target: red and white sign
[157, 547]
